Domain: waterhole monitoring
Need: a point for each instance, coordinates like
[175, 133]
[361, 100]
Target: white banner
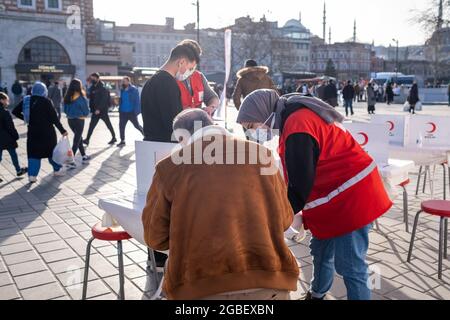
[222, 112]
[430, 131]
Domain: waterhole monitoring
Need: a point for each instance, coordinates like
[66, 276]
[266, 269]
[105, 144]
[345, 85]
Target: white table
[426, 156]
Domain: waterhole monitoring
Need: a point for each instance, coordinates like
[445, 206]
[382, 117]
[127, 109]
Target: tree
[330, 69]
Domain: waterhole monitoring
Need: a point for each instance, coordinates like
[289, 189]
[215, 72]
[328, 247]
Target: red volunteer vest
[192, 101]
[348, 191]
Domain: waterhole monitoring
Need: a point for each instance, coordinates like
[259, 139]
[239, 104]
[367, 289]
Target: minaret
[354, 32]
[329, 37]
[440, 20]
[324, 21]
[300, 17]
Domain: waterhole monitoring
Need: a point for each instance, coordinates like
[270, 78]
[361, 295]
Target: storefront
[44, 59]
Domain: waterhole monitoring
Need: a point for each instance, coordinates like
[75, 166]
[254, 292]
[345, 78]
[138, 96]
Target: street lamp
[197, 4]
[396, 60]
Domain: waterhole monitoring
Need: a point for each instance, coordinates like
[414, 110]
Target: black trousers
[94, 121]
[124, 117]
[77, 126]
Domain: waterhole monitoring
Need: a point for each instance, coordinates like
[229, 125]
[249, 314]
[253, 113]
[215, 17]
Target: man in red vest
[194, 88]
[331, 180]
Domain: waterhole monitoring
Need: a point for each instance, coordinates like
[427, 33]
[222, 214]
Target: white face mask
[262, 135]
[184, 76]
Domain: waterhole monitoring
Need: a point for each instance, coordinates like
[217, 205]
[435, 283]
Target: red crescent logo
[433, 127]
[366, 138]
[392, 125]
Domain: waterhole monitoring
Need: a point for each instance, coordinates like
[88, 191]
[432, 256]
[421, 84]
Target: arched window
[43, 50]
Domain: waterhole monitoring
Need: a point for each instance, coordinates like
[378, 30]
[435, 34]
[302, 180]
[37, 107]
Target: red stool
[439, 208]
[107, 234]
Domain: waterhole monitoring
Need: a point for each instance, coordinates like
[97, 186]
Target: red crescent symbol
[366, 139]
[392, 125]
[433, 126]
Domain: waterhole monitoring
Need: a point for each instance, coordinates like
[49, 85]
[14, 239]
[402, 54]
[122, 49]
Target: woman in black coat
[40, 115]
[413, 98]
[389, 93]
[9, 135]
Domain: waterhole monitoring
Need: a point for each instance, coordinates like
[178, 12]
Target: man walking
[55, 94]
[348, 94]
[99, 102]
[129, 109]
[17, 91]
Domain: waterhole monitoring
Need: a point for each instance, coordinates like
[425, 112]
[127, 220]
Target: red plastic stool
[439, 208]
[107, 234]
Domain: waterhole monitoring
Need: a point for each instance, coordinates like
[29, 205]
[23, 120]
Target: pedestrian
[9, 136]
[161, 100]
[357, 92]
[331, 94]
[389, 93]
[17, 92]
[129, 109]
[99, 103]
[64, 89]
[413, 98]
[245, 256]
[320, 91]
[76, 107]
[252, 77]
[371, 98]
[348, 94]
[331, 179]
[161, 96]
[39, 114]
[55, 94]
[195, 89]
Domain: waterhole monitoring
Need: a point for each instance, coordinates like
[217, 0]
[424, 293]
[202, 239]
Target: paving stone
[417, 282]
[20, 257]
[13, 239]
[5, 279]
[75, 277]
[9, 292]
[407, 293]
[66, 265]
[95, 288]
[58, 255]
[132, 292]
[64, 231]
[45, 292]
[34, 279]
[44, 238]
[51, 246]
[15, 248]
[27, 268]
[37, 231]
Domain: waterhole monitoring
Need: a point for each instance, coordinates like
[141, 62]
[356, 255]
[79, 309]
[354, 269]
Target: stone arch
[44, 49]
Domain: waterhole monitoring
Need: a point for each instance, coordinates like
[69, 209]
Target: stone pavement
[44, 230]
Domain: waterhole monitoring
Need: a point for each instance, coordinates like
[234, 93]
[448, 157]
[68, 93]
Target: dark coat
[348, 92]
[331, 95]
[41, 129]
[17, 89]
[250, 80]
[99, 98]
[371, 96]
[390, 93]
[8, 133]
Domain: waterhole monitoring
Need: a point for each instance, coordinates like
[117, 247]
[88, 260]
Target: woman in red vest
[331, 180]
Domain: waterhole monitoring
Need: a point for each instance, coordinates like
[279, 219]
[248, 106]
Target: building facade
[43, 40]
[352, 60]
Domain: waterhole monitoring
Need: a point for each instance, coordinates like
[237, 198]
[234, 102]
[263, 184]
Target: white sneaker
[60, 173]
[32, 179]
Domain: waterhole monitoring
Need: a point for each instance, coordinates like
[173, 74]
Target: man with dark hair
[161, 96]
[55, 94]
[129, 109]
[195, 90]
[99, 102]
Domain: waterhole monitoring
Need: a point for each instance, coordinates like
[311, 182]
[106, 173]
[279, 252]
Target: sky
[377, 20]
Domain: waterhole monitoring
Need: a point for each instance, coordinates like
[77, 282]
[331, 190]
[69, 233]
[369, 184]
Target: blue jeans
[34, 166]
[347, 256]
[14, 158]
[348, 104]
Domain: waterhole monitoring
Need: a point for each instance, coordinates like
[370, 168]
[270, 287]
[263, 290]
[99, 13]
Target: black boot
[310, 297]
[113, 141]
